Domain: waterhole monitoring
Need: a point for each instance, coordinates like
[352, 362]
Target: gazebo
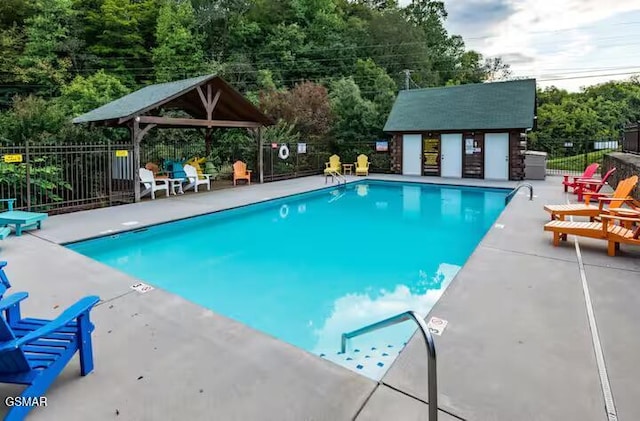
[208, 100]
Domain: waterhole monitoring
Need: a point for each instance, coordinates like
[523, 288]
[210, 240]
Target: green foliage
[44, 61]
[179, 53]
[355, 116]
[47, 183]
[570, 163]
[86, 93]
[597, 113]
[33, 119]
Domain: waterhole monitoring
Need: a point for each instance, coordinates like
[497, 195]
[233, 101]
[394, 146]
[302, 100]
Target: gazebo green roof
[480, 106]
[187, 95]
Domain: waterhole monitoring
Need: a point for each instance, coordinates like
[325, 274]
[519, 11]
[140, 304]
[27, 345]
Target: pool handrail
[432, 382]
[515, 190]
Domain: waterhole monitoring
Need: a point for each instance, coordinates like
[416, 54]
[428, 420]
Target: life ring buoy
[284, 211]
[283, 153]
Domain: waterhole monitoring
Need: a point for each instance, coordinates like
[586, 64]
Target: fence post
[110, 172]
[28, 174]
[586, 152]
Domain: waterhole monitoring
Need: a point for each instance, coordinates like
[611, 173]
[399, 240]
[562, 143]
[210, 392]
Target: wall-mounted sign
[431, 155]
[123, 153]
[382, 146]
[468, 146]
[10, 158]
[302, 148]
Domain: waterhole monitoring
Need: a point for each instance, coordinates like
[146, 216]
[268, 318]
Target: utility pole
[407, 78]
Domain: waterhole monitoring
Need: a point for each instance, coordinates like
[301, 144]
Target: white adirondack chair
[195, 180]
[151, 184]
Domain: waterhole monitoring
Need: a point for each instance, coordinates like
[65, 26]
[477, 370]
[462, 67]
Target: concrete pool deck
[518, 344]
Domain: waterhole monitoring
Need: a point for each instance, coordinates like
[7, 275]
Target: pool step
[372, 362]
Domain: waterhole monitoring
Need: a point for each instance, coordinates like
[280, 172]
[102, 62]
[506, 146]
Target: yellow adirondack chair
[195, 162]
[240, 172]
[619, 197]
[333, 165]
[362, 165]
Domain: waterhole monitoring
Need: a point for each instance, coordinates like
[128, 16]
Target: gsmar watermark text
[25, 401]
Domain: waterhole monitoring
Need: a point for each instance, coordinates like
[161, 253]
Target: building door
[451, 155]
[411, 154]
[496, 156]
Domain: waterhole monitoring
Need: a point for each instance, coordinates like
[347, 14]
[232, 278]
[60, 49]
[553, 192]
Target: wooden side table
[347, 167]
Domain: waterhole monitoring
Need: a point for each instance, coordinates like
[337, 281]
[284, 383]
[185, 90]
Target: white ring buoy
[284, 211]
[283, 153]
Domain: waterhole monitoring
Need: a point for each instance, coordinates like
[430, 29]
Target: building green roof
[140, 100]
[480, 106]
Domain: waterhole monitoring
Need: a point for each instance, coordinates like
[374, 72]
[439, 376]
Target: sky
[559, 42]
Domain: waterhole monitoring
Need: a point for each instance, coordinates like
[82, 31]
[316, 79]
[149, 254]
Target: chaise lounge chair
[362, 165]
[333, 165]
[20, 219]
[571, 181]
[619, 197]
[605, 230]
[33, 352]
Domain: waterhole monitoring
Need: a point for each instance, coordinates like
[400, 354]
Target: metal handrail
[334, 174]
[515, 190]
[432, 383]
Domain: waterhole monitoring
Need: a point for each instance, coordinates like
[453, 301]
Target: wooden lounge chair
[570, 181]
[33, 352]
[591, 187]
[619, 197]
[607, 230]
[333, 165]
[20, 219]
[362, 165]
[240, 172]
[152, 184]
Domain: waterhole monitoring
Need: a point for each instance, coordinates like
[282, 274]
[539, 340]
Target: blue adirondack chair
[33, 352]
[4, 281]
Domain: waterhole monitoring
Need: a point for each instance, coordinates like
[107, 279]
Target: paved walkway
[518, 344]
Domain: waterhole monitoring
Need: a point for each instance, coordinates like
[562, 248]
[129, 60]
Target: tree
[121, 45]
[306, 106]
[86, 93]
[179, 51]
[43, 62]
[356, 118]
[376, 86]
[497, 69]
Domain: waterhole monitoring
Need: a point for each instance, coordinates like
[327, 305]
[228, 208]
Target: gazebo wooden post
[136, 136]
[134, 129]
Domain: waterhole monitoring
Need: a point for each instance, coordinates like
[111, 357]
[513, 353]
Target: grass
[576, 162]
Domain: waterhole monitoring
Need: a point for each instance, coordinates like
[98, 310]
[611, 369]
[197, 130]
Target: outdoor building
[464, 131]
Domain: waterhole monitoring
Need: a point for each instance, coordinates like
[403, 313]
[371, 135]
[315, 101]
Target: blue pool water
[309, 267]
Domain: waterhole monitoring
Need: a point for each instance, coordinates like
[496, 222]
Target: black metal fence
[55, 178]
[571, 156]
[309, 158]
[631, 139]
[59, 178]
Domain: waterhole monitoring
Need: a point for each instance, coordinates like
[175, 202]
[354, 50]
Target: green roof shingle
[480, 106]
[139, 100]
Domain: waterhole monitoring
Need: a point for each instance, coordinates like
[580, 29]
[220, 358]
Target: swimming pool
[307, 268]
